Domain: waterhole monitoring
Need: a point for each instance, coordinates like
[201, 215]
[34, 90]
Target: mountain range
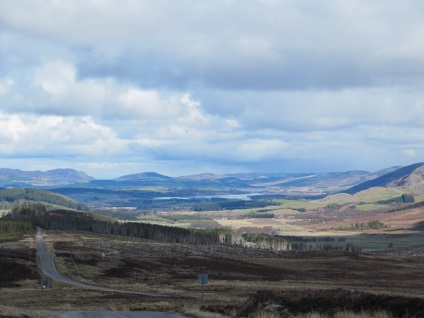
[350, 182]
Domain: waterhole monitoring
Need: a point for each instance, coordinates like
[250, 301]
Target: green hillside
[12, 197]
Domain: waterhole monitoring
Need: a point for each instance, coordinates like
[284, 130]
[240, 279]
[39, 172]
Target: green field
[365, 200]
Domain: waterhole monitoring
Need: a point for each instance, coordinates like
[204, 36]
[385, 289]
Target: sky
[113, 87]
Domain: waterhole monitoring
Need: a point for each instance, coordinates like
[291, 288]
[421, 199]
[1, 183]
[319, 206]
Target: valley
[211, 159]
[267, 254]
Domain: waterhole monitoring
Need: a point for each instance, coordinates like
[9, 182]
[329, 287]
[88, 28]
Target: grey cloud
[294, 70]
[227, 46]
[327, 110]
[295, 81]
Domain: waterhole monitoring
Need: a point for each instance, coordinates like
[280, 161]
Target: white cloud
[147, 104]
[232, 123]
[55, 78]
[186, 100]
[56, 136]
[5, 85]
[259, 150]
[55, 89]
[410, 152]
[212, 83]
[300, 45]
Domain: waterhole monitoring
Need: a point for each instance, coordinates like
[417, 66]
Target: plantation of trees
[17, 196]
[371, 225]
[80, 221]
[27, 217]
[16, 226]
[404, 198]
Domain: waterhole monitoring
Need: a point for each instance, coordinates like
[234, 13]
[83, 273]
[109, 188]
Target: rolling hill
[10, 198]
[56, 177]
[142, 189]
[325, 183]
[144, 176]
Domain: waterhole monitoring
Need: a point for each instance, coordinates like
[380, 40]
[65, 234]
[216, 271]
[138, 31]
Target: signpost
[203, 280]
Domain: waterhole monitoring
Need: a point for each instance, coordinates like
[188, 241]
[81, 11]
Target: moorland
[272, 245]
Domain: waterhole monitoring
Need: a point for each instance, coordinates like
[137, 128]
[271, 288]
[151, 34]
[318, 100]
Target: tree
[408, 198]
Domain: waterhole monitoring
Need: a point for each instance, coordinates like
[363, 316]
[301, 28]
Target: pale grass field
[371, 195]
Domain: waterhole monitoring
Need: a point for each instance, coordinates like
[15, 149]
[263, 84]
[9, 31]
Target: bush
[333, 302]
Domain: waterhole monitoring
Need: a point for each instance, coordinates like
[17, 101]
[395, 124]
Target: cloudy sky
[113, 87]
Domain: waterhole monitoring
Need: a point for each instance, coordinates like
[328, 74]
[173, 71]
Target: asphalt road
[49, 269]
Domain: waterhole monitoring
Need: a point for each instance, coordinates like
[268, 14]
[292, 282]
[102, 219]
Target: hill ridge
[392, 179]
[61, 176]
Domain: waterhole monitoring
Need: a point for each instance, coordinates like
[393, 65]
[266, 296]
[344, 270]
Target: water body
[244, 196]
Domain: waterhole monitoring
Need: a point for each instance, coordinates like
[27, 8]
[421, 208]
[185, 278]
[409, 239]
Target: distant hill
[144, 176]
[202, 176]
[12, 197]
[414, 179]
[379, 173]
[321, 183]
[139, 189]
[56, 177]
[327, 180]
[242, 176]
[411, 176]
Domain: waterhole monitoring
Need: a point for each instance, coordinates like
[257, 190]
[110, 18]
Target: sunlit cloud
[277, 85]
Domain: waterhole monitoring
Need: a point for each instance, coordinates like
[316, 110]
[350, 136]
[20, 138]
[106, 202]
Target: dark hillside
[386, 179]
[63, 220]
[332, 300]
[17, 196]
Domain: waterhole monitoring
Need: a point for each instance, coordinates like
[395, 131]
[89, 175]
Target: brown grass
[235, 274]
[349, 314]
[13, 312]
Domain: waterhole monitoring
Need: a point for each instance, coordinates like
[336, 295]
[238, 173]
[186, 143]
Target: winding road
[49, 269]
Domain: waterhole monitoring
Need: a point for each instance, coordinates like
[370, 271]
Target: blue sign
[203, 279]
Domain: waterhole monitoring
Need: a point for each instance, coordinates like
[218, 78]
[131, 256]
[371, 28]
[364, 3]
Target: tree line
[64, 220]
[37, 215]
[404, 198]
[19, 196]
[371, 225]
[16, 226]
